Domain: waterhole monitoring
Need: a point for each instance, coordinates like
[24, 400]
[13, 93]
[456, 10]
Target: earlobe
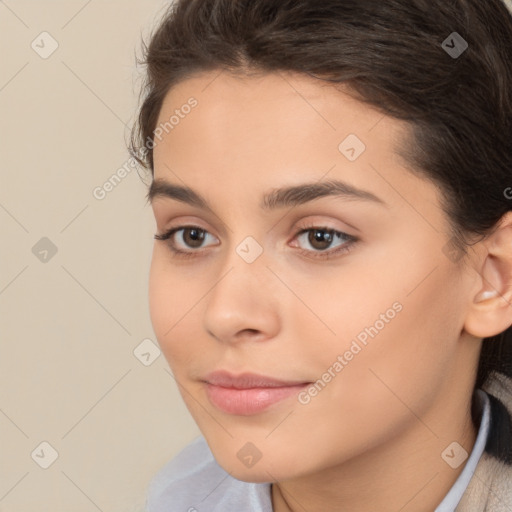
[490, 311]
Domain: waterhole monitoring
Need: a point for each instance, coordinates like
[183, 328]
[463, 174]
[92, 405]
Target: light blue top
[194, 482]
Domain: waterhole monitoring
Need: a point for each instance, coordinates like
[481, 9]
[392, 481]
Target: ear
[490, 311]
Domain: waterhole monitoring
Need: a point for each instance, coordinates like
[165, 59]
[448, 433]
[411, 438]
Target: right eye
[191, 237]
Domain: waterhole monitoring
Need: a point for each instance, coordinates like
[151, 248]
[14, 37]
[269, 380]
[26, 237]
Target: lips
[247, 380]
[248, 393]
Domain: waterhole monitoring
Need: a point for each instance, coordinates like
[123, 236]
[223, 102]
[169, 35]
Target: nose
[242, 304]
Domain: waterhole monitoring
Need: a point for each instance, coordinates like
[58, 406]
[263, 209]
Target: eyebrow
[278, 198]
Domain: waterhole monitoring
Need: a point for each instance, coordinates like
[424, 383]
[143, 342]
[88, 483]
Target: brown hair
[393, 56]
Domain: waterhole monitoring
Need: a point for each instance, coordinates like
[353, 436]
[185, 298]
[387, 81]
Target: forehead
[274, 109]
[280, 96]
[280, 129]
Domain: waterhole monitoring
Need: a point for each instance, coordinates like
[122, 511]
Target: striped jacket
[490, 488]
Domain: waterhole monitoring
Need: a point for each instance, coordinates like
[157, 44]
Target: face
[350, 298]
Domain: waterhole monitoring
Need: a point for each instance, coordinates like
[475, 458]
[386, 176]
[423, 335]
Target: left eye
[322, 238]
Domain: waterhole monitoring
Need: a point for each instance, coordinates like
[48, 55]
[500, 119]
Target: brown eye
[188, 242]
[195, 237]
[320, 238]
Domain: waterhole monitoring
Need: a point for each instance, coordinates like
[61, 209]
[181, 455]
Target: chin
[263, 471]
[254, 475]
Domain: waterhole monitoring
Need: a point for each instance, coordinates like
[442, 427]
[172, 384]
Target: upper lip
[247, 380]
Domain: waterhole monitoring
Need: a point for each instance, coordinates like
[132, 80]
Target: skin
[372, 438]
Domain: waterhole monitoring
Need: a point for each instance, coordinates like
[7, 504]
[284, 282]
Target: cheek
[394, 327]
[394, 375]
[171, 301]
[160, 297]
[359, 299]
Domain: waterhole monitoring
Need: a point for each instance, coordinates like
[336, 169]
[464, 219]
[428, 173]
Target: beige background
[71, 321]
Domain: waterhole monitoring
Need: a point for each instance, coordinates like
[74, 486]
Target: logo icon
[44, 455]
[452, 252]
[44, 45]
[249, 454]
[455, 45]
[44, 250]
[454, 455]
[249, 249]
[352, 147]
[146, 352]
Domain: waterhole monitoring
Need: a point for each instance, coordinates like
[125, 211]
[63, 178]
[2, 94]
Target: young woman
[331, 281]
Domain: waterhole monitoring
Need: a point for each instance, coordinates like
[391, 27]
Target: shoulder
[193, 482]
[490, 489]
[499, 445]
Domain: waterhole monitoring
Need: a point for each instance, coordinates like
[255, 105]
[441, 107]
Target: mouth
[248, 393]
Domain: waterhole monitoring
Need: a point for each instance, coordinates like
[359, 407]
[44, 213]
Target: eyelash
[345, 248]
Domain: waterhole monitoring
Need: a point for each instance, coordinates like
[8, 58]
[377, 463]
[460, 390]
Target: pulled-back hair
[390, 55]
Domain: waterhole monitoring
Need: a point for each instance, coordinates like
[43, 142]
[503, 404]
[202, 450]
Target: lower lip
[248, 401]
